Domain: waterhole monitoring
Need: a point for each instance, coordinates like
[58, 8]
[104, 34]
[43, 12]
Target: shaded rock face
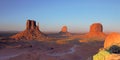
[31, 25]
[96, 32]
[31, 32]
[64, 31]
[112, 39]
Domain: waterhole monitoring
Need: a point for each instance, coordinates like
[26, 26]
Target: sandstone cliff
[96, 32]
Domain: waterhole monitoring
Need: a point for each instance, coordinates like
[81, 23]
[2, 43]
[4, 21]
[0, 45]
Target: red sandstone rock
[31, 32]
[28, 24]
[96, 27]
[112, 39]
[64, 31]
[96, 32]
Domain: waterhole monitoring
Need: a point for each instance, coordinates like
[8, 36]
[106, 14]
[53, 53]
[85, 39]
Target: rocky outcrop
[96, 27]
[31, 25]
[96, 32]
[31, 32]
[112, 39]
[111, 50]
[64, 31]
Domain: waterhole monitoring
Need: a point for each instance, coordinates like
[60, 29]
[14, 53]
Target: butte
[96, 32]
[31, 32]
[64, 31]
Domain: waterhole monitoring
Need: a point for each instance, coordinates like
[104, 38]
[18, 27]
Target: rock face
[111, 50]
[112, 39]
[64, 31]
[31, 32]
[96, 31]
[96, 27]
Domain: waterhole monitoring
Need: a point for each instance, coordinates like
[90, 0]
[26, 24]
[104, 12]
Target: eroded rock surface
[96, 32]
[31, 32]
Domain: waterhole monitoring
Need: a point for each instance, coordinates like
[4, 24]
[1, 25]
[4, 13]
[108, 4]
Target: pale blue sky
[78, 15]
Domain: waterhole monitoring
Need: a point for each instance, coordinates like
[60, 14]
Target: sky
[77, 15]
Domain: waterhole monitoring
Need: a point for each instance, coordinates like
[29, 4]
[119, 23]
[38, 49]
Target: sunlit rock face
[31, 32]
[96, 27]
[64, 31]
[112, 39]
[96, 32]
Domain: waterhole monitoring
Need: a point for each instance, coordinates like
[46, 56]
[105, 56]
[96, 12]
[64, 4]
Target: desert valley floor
[55, 48]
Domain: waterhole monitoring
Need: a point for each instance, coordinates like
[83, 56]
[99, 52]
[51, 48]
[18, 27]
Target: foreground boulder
[111, 50]
[96, 32]
[112, 39]
[64, 31]
[31, 32]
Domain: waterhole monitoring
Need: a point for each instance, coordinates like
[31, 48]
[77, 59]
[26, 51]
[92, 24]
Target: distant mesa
[96, 32]
[112, 39]
[96, 27]
[31, 32]
[64, 31]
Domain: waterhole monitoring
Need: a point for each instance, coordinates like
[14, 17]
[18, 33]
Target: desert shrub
[114, 49]
[101, 55]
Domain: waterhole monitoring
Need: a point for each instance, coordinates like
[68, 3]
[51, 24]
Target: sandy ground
[50, 50]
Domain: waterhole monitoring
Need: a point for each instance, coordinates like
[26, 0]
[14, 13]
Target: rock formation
[112, 39]
[64, 31]
[111, 50]
[31, 32]
[96, 32]
[96, 27]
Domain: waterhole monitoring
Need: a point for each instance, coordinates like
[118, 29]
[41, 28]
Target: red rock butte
[96, 27]
[64, 31]
[31, 32]
[96, 31]
[112, 39]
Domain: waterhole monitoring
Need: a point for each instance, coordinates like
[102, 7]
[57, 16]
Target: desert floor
[55, 48]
